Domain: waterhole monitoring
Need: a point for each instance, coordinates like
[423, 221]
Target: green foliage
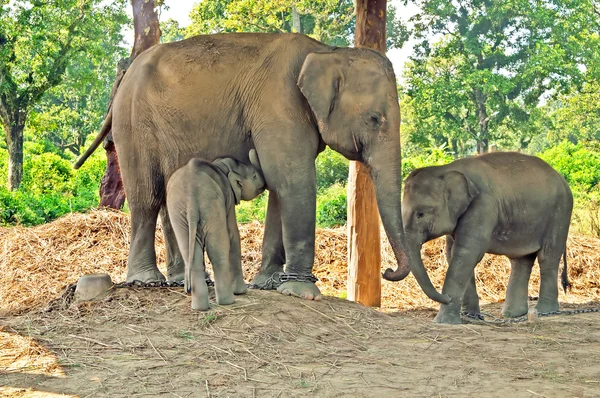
[48, 43]
[331, 168]
[255, 210]
[50, 188]
[578, 165]
[429, 157]
[482, 81]
[329, 21]
[331, 207]
[171, 31]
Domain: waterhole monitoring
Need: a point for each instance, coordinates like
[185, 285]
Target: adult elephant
[285, 95]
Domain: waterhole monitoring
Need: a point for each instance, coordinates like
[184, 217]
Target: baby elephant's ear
[254, 160]
[236, 184]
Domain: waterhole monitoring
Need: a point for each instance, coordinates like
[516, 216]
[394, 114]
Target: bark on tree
[147, 33]
[296, 24]
[364, 252]
[483, 119]
[14, 127]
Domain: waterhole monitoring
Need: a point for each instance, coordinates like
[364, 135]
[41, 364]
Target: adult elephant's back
[201, 97]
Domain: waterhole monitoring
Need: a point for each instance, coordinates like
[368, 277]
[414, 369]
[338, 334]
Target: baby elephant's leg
[196, 280]
[235, 256]
[516, 292]
[549, 260]
[218, 248]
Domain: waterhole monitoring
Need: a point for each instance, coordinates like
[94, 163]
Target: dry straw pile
[36, 264]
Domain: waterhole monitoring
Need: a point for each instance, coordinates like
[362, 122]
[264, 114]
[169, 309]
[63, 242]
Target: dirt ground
[148, 342]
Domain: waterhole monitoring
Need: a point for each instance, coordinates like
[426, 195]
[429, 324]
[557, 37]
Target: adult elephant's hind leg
[273, 253]
[175, 264]
[141, 262]
[516, 292]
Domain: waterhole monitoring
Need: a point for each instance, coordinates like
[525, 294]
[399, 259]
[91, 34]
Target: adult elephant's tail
[106, 126]
[565, 275]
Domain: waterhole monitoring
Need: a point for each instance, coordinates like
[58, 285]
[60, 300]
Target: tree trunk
[147, 33]
[364, 252]
[296, 25]
[483, 119]
[14, 139]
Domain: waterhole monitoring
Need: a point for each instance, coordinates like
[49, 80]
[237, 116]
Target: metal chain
[156, 284]
[482, 315]
[278, 278]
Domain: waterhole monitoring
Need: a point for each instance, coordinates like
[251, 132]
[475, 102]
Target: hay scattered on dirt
[36, 264]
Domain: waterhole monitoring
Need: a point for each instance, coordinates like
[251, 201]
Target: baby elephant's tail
[565, 275]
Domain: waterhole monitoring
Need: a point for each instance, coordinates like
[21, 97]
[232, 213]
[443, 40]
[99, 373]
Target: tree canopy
[329, 21]
[492, 64]
[42, 42]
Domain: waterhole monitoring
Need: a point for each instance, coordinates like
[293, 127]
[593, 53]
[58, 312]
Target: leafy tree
[68, 113]
[492, 65]
[171, 31]
[39, 41]
[329, 21]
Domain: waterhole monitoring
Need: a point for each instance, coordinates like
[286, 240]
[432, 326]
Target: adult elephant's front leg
[273, 253]
[298, 207]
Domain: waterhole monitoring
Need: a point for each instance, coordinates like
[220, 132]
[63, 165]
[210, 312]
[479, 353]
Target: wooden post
[147, 33]
[364, 251]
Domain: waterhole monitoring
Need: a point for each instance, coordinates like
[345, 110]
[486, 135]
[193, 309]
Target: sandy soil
[148, 342]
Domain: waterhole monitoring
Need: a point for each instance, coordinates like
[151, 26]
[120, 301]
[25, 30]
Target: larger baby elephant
[201, 199]
[502, 203]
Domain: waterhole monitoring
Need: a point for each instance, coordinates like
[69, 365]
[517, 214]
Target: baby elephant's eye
[420, 214]
[254, 178]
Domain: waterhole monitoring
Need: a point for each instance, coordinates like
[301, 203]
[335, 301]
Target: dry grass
[37, 263]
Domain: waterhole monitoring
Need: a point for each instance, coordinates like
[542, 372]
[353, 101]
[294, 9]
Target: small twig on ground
[91, 341]
[155, 350]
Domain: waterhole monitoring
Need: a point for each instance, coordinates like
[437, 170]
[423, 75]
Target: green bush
[50, 187]
[248, 211]
[332, 168]
[331, 206]
[578, 165]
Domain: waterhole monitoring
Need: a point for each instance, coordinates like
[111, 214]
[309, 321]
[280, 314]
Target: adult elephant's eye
[374, 119]
[420, 214]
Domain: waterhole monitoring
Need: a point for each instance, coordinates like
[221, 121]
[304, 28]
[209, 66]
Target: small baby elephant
[201, 199]
[503, 203]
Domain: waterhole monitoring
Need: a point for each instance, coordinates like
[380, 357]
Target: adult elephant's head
[353, 96]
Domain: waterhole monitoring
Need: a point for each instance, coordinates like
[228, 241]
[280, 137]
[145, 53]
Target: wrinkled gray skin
[201, 199]
[284, 94]
[502, 203]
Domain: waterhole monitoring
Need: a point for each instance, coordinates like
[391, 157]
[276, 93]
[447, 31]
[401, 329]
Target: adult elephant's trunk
[385, 171]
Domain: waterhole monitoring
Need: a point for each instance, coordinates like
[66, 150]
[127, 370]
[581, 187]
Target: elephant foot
[176, 271]
[472, 309]
[239, 287]
[265, 274]
[514, 311]
[145, 276]
[305, 290]
[176, 277]
[546, 306]
[225, 299]
[449, 314]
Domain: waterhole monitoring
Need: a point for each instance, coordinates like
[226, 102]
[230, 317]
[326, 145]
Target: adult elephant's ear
[459, 192]
[319, 81]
